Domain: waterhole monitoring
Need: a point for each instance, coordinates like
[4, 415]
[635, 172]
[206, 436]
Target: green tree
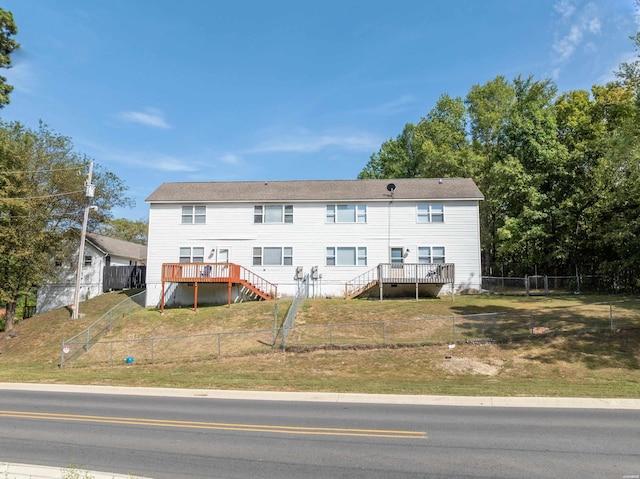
[42, 197]
[7, 46]
[437, 146]
[124, 229]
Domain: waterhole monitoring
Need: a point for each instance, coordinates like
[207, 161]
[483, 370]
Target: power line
[42, 197]
[43, 170]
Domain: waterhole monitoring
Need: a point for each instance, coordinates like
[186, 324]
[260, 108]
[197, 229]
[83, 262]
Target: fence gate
[537, 285]
[123, 277]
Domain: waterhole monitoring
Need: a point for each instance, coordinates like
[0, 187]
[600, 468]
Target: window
[346, 256]
[88, 260]
[272, 256]
[194, 215]
[346, 213]
[430, 213]
[192, 255]
[273, 214]
[428, 254]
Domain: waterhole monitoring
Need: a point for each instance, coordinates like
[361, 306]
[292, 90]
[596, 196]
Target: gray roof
[317, 190]
[116, 247]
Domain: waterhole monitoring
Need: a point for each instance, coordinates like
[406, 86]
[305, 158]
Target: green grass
[564, 359]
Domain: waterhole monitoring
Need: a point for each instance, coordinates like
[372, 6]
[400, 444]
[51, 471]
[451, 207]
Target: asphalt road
[205, 437]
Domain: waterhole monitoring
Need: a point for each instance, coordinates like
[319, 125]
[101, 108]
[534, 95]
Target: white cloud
[578, 26]
[149, 117]
[21, 77]
[311, 144]
[398, 105]
[565, 8]
[230, 159]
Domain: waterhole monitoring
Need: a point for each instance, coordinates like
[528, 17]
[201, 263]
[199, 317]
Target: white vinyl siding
[193, 214]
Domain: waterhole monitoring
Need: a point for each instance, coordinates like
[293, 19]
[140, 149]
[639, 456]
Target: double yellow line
[312, 431]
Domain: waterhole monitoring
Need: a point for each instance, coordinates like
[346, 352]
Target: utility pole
[89, 191]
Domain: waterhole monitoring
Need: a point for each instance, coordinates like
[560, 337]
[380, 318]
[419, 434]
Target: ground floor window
[346, 256]
[272, 256]
[431, 254]
[192, 254]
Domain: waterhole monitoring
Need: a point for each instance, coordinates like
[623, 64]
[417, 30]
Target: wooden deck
[386, 274]
[229, 273]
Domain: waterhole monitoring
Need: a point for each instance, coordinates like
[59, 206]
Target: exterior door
[222, 255]
[397, 262]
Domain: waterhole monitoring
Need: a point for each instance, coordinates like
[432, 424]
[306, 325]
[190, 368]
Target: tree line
[560, 172]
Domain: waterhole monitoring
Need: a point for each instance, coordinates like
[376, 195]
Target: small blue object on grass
[129, 360]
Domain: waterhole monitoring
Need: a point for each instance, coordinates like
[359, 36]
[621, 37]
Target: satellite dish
[391, 187]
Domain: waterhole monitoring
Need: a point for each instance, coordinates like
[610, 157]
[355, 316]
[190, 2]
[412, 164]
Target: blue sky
[208, 90]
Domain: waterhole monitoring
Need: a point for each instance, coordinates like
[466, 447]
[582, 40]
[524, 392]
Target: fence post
[86, 345]
[62, 355]
[611, 315]
[531, 320]
[111, 353]
[275, 326]
[153, 342]
[454, 330]
[219, 347]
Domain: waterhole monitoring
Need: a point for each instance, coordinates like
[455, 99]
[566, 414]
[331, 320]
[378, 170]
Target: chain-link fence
[537, 285]
[81, 342]
[482, 328]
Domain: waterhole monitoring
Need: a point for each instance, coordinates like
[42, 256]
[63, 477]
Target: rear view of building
[213, 242]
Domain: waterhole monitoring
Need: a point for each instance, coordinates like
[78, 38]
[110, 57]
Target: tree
[436, 147]
[7, 46]
[42, 197]
[127, 230]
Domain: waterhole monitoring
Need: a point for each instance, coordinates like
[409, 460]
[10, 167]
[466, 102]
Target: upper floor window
[272, 256]
[193, 214]
[192, 255]
[346, 256]
[346, 213]
[88, 260]
[431, 254]
[430, 213]
[273, 214]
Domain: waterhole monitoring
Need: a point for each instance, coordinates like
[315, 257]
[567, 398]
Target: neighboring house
[108, 263]
[212, 242]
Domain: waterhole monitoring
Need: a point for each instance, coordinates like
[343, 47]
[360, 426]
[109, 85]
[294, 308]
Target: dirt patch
[455, 365]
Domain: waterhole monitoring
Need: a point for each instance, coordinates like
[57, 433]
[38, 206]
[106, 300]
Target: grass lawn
[493, 356]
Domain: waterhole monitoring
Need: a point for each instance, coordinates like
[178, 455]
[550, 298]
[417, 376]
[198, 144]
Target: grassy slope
[586, 365]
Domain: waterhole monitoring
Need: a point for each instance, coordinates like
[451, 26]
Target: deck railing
[216, 273]
[410, 273]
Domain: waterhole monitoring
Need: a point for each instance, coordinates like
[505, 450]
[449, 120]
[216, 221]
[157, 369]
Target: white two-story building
[213, 242]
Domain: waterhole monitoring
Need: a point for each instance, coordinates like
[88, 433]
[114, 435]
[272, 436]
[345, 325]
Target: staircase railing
[362, 282]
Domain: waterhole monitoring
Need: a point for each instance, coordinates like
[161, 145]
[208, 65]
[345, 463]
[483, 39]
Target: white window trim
[285, 259]
[201, 212]
[261, 212]
[332, 215]
[431, 255]
[192, 254]
[429, 214]
[360, 253]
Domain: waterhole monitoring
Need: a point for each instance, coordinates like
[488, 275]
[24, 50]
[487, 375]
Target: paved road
[199, 436]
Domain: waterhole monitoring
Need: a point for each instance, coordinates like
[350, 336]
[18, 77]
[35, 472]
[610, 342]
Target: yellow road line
[320, 431]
